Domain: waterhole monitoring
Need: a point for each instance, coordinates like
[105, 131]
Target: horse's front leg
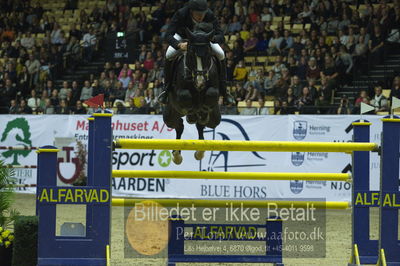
[177, 157]
[198, 155]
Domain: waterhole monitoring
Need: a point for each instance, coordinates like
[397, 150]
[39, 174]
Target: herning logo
[18, 132]
[297, 158]
[296, 186]
[299, 130]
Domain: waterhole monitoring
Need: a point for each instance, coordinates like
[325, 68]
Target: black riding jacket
[183, 19]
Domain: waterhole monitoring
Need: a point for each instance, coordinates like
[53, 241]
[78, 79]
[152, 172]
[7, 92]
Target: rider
[196, 11]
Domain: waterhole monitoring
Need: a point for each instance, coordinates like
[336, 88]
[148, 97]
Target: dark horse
[194, 92]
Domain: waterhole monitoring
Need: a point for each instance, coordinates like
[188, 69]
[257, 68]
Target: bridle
[196, 73]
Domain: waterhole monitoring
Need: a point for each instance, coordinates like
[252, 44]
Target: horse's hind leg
[198, 155]
[177, 157]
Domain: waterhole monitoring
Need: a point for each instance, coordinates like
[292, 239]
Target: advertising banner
[70, 135]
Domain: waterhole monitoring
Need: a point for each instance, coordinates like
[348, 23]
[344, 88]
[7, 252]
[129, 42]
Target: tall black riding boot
[163, 97]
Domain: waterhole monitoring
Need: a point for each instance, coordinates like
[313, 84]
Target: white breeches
[217, 50]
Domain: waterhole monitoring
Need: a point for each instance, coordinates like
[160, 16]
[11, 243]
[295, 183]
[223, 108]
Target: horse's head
[198, 57]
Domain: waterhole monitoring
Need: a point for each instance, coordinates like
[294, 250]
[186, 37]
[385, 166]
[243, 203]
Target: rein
[196, 72]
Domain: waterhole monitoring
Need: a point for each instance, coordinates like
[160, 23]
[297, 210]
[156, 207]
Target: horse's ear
[210, 35]
[189, 34]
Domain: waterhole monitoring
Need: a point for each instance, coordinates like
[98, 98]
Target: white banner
[64, 132]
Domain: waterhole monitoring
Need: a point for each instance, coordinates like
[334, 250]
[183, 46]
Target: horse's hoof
[191, 118]
[177, 159]
[199, 155]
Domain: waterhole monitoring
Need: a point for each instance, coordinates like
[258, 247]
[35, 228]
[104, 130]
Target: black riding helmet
[198, 5]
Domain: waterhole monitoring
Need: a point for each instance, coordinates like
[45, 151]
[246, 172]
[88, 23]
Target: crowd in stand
[336, 42]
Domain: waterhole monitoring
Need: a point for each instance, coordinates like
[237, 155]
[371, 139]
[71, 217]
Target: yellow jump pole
[232, 175]
[338, 205]
[234, 145]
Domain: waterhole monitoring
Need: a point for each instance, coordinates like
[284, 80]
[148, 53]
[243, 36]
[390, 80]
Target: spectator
[240, 72]
[127, 69]
[72, 53]
[55, 101]
[238, 52]
[164, 28]
[75, 32]
[23, 80]
[227, 109]
[344, 108]
[395, 91]
[23, 108]
[76, 91]
[290, 101]
[376, 46]
[278, 66]
[252, 93]
[262, 44]
[274, 46]
[346, 61]
[262, 110]
[64, 91]
[248, 110]
[360, 53]
[63, 109]
[363, 97]
[143, 53]
[292, 65]
[287, 41]
[120, 108]
[250, 43]
[118, 93]
[28, 41]
[344, 23]
[305, 102]
[143, 108]
[269, 82]
[156, 73]
[235, 26]
[48, 108]
[7, 93]
[313, 72]
[245, 33]
[33, 101]
[149, 62]
[266, 15]
[330, 73]
[33, 66]
[13, 107]
[79, 109]
[48, 87]
[56, 35]
[87, 91]
[124, 79]
[296, 86]
[379, 101]
[89, 45]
